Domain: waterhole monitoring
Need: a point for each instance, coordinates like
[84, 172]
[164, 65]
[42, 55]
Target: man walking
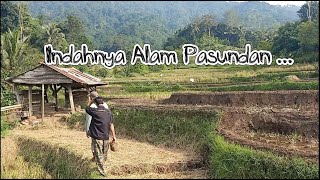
[91, 96]
[101, 124]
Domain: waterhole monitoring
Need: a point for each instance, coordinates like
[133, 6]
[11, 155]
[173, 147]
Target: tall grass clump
[273, 86]
[75, 121]
[229, 160]
[13, 166]
[273, 77]
[57, 161]
[176, 128]
[152, 86]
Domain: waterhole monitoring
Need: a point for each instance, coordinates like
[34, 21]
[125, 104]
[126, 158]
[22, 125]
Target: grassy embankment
[196, 130]
[160, 85]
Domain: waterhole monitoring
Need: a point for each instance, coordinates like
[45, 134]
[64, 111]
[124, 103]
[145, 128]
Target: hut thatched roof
[52, 74]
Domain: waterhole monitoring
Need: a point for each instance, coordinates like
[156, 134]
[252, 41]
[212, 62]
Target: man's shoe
[102, 172]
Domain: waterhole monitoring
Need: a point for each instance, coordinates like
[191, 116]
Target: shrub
[76, 120]
[7, 98]
[7, 126]
[102, 72]
[4, 127]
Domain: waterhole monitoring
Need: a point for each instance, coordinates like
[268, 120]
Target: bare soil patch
[284, 131]
[294, 99]
[285, 122]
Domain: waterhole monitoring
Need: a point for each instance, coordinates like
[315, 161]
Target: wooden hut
[55, 78]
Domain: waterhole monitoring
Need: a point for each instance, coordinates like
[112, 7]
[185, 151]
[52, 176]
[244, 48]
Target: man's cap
[93, 94]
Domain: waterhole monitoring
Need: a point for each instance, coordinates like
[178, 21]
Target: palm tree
[208, 21]
[24, 18]
[12, 48]
[55, 37]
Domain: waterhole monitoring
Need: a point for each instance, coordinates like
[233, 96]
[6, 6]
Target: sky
[297, 3]
[283, 3]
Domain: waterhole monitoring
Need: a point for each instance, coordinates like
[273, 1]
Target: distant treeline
[114, 25]
[298, 40]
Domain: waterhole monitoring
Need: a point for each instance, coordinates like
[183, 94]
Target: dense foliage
[298, 39]
[109, 23]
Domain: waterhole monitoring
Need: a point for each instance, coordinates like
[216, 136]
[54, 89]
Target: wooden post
[65, 98]
[45, 92]
[55, 92]
[42, 102]
[16, 92]
[30, 100]
[71, 99]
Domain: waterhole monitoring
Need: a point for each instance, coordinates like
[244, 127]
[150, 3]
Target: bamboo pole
[71, 99]
[42, 102]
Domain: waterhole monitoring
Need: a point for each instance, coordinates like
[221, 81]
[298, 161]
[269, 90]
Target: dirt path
[133, 159]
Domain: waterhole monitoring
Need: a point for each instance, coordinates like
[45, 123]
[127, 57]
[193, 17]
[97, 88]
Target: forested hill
[154, 22]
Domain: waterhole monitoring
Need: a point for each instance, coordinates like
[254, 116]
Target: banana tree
[55, 37]
[12, 49]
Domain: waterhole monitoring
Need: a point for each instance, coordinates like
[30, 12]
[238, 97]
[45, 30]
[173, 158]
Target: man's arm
[89, 110]
[105, 105]
[87, 123]
[113, 131]
[90, 101]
